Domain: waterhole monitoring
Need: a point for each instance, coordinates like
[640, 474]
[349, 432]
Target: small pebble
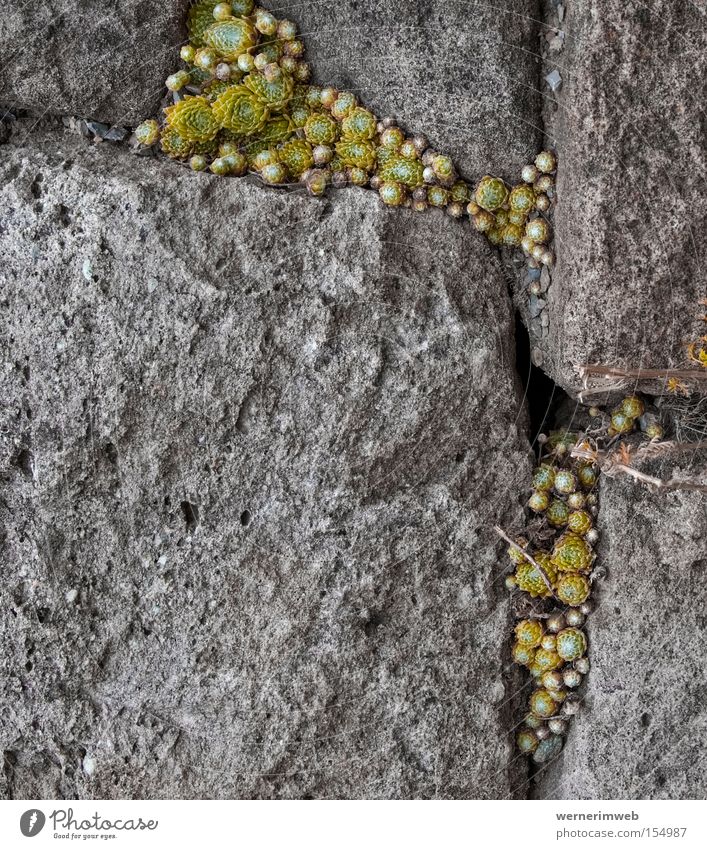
[536, 356]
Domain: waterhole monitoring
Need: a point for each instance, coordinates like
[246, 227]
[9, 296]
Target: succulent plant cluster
[553, 570]
[243, 103]
[515, 216]
[556, 576]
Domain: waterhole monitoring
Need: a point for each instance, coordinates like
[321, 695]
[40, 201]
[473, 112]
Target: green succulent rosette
[237, 109]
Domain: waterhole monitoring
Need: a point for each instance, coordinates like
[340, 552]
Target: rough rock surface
[464, 73]
[251, 453]
[643, 731]
[102, 59]
[631, 209]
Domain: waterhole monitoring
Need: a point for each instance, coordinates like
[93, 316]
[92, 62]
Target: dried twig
[615, 378]
[615, 463]
[543, 573]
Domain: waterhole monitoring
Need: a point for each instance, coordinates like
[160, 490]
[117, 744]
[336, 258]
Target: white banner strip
[340, 825]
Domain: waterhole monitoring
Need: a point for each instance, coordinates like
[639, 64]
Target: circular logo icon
[32, 822]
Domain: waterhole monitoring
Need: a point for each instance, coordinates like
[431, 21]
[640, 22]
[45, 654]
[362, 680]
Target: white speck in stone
[151, 284]
[71, 596]
[61, 346]
[162, 560]
[89, 765]
[554, 80]
[87, 269]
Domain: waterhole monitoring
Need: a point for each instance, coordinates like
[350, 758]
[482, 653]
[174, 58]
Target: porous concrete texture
[102, 59]
[253, 446]
[642, 732]
[463, 72]
[631, 202]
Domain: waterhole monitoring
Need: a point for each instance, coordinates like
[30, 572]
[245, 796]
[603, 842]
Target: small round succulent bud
[198, 163]
[527, 244]
[429, 176]
[510, 580]
[339, 179]
[187, 53]
[571, 644]
[538, 230]
[620, 422]
[344, 104]
[223, 71]
[322, 154]
[313, 97]
[588, 476]
[572, 589]
[633, 406]
[265, 22]
[329, 97]
[542, 704]
[579, 522]
[587, 607]
[261, 61]
[246, 62]
[288, 64]
[428, 157]
[421, 144]
[529, 174]
[317, 182]
[571, 553]
[303, 72]
[536, 252]
[237, 163]
[522, 655]
[220, 166]
[535, 288]
[575, 618]
[455, 210]
[483, 221]
[408, 150]
[491, 193]
[555, 623]
[242, 7]
[375, 182]
[571, 678]
[576, 500]
[654, 430]
[511, 234]
[549, 642]
[392, 194]
[389, 121]
[148, 133]
[444, 169]
[539, 501]
[205, 59]
[557, 513]
[286, 30]
[551, 680]
[592, 536]
[176, 82]
[558, 726]
[392, 138]
[419, 205]
[275, 173]
[582, 665]
[437, 196]
[548, 258]
[359, 124]
[420, 193]
[544, 184]
[321, 129]
[547, 660]
[522, 198]
[357, 176]
[518, 218]
[272, 72]
[294, 48]
[527, 741]
[544, 478]
[546, 162]
[529, 632]
[542, 203]
[222, 11]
